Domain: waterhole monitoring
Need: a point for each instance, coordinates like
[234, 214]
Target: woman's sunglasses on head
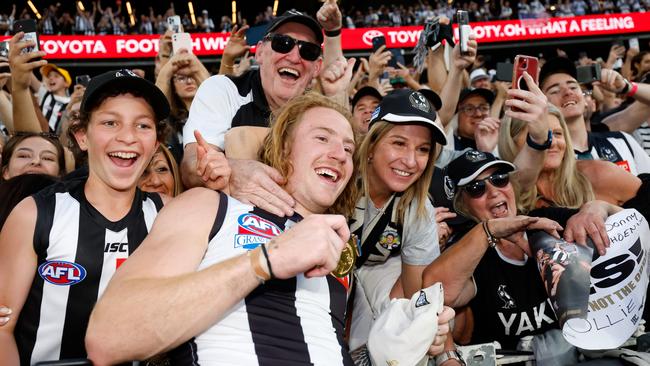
[282, 43]
[476, 188]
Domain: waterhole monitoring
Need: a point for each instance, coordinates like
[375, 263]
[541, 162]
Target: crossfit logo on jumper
[253, 231]
[62, 273]
[369, 35]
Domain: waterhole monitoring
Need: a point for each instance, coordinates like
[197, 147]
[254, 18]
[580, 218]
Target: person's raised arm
[533, 109]
[376, 64]
[330, 18]
[173, 306]
[456, 265]
[626, 70]
[614, 82]
[24, 114]
[335, 80]
[634, 115]
[451, 89]
[235, 47]
[17, 268]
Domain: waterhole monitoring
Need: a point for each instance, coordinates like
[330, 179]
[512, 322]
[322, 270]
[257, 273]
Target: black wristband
[334, 33]
[542, 147]
[268, 262]
[626, 88]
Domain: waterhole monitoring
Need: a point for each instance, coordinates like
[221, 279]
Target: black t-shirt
[511, 301]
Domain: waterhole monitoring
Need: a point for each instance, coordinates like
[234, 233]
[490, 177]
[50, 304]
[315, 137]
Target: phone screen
[378, 42]
[396, 57]
[82, 80]
[588, 74]
[504, 71]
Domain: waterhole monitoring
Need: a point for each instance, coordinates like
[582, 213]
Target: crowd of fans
[106, 20]
[404, 176]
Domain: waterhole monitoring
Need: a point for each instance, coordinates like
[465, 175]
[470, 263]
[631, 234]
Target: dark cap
[126, 80]
[295, 16]
[406, 106]
[365, 91]
[465, 168]
[487, 94]
[557, 65]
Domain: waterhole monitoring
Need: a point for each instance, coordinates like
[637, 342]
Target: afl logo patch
[62, 273]
[254, 230]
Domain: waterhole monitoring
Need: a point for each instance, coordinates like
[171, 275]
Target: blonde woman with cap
[394, 218]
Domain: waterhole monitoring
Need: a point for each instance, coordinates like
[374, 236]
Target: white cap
[404, 331]
[478, 74]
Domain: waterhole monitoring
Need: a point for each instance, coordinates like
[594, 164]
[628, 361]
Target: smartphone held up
[182, 41]
[464, 30]
[524, 64]
[528, 64]
[28, 26]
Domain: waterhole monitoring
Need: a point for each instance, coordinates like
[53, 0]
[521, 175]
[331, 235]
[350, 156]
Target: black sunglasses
[477, 188]
[284, 44]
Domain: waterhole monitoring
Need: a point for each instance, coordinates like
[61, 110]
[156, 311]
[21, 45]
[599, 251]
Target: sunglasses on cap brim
[282, 43]
[477, 188]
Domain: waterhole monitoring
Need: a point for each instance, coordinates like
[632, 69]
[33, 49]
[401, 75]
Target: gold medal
[348, 258]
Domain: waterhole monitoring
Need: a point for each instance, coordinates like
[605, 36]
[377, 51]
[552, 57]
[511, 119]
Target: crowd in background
[105, 20]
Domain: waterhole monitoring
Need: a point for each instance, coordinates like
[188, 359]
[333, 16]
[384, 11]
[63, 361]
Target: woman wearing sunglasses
[394, 218]
[488, 268]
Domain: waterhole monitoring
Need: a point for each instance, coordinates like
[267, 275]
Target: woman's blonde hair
[570, 187]
[278, 144]
[418, 191]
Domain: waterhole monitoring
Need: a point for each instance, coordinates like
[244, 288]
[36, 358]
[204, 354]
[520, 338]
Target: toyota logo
[369, 35]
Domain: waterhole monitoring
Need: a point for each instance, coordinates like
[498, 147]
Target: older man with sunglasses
[289, 58]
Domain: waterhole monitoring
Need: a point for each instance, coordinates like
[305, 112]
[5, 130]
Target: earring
[369, 159]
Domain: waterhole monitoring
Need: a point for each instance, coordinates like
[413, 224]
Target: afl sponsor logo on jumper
[253, 231]
[62, 273]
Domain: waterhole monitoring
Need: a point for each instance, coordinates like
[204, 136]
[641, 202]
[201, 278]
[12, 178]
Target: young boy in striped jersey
[61, 246]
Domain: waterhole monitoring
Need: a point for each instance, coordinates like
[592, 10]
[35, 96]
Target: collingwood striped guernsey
[299, 321]
[78, 251]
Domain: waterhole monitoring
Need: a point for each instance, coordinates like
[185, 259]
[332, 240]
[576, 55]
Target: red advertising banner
[205, 44]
